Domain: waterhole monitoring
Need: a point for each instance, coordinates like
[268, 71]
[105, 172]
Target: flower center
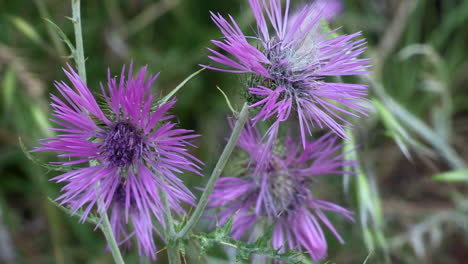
[119, 196]
[123, 144]
[286, 192]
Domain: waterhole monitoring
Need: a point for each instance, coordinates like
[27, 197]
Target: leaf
[225, 230]
[265, 239]
[9, 82]
[452, 176]
[50, 167]
[42, 121]
[26, 28]
[263, 245]
[228, 102]
[369, 204]
[325, 27]
[62, 35]
[92, 219]
[396, 130]
[417, 126]
[166, 98]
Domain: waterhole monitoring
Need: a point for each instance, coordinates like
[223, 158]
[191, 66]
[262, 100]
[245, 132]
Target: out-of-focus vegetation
[410, 195]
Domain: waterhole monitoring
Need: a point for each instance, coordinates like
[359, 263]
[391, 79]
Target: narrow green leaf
[396, 130]
[417, 126]
[452, 176]
[228, 102]
[62, 35]
[9, 83]
[42, 120]
[166, 98]
[27, 29]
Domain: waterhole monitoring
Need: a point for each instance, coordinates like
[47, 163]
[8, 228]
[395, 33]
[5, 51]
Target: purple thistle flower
[134, 151]
[280, 193]
[290, 64]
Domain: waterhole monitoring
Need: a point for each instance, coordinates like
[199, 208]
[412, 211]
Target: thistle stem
[242, 119]
[78, 55]
[173, 253]
[107, 231]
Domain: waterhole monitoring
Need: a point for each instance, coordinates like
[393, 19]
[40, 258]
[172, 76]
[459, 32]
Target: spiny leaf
[50, 167]
[92, 219]
[262, 246]
[225, 230]
[265, 239]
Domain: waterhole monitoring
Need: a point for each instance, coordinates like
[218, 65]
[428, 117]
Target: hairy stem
[242, 119]
[78, 55]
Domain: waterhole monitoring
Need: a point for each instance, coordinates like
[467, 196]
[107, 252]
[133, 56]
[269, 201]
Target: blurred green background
[406, 210]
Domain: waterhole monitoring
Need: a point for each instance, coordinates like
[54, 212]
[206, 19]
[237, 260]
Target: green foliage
[244, 251]
[92, 219]
[50, 167]
[62, 36]
[166, 98]
[397, 131]
[228, 102]
[452, 176]
[27, 29]
[8, 88]
[414, 109]
[368, 199]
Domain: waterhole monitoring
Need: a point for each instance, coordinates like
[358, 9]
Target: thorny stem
[242, 119]
[78, 55]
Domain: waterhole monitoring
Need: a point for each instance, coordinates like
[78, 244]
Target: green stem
[243, 116]
[107, 231]
[78, 55]
[173, 255]
[173, 252]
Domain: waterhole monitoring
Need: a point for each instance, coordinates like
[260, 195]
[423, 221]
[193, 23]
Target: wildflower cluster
[288, 62]
[123, 151]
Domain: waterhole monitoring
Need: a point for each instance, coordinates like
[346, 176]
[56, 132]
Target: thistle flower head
[133, 148]
[280, 193]
[290, 63]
